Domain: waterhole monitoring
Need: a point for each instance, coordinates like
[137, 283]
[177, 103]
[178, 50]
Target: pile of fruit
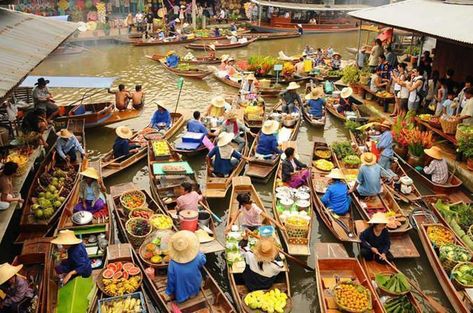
[161, 148]
[394, 284]
[463, 273]
[323, 153]
[133, 199]
[138, 226]
[425, 117]
[440, 235]
[124, 305]
[352, 297]
[51, 192]
[20, 159]
[324, 165]
[352, 161]
[160, 221]
[151, 253]
[384, 94]
[119, 279]
[454, 253]
[395, 219]
[399, 305]
[141, 212]
[270, 301]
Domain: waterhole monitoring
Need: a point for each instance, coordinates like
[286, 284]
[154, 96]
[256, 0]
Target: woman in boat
[67, 147]
[77, 262]
[172, 59]
[337, 198]
[123, 147]
[375, 242]
[437, 170]
[300, 29]
[233, 126]
[6, 185]
[91, 189]
[316, 102]
[263, 265]
[336, 61]
[225, 158]
[217, 107]
[294, 172]
[184, 276]
[188, 199]
[17, 291]
[345, 102]
[223, 63]
[368, 182]
[289, 98]
[267, 147]
[385, 145]
[233, 37]
[249, 89]
[161, 118]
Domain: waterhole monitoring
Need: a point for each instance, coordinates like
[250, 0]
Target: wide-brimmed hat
[378, 218]
[183, 6]
[270, 127]
[212, 47]
[336, 173]
[368, 158]
[299, 25]
[183, 246]
[230, 115]
[336, 53]
[124, 132]
[90, 172]
[229, 59]
[41, 81]
[218, 102]
[293, 86]
[251, 76]
[7, 271]
[224, 57]
[66, 237]
[346, 92]
[171, 52]
[434, 152]
[316, 93]
[64, 133]
[224, 139]
[265, 250]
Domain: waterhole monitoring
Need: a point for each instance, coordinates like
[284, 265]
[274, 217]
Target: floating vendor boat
[157, 42]
[272, 36]
[314, 122]
[221, 45]
[186, 71]
[270, 92]
[330, 105]
[197, 60]
[253, 113]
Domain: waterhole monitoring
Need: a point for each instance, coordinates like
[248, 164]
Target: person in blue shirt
[196, 126]
[67, 147]
[217, 32]
[316, 102]
[336, 198]
[375, 242]
[172, 59]
[368, 182]
[91, 192]
[184, 271]
[233, 27]
[385, 145]
[449, 106]
[161, 118]
[225, 157]
[77, 262]
[268, 142]
[122, 148]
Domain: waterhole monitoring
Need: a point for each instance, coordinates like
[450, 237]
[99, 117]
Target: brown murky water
[130, 66]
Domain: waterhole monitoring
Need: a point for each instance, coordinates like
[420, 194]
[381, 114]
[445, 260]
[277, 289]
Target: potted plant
[465, 146]
[351, 77]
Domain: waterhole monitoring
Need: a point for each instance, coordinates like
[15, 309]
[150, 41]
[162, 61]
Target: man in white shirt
[466, 114]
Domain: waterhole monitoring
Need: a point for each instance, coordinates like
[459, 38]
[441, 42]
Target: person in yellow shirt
[217, 107]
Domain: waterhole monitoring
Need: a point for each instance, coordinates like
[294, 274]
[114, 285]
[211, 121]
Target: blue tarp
[71, 81]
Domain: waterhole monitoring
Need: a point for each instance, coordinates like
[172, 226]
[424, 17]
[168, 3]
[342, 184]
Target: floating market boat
[272, 36]
[270, 92]
[157, 42]
[220, 45]
[189, 73]
[287, 26]
[197, 60]
[329, 106]
[242, 185]
[253, 120]
[315, 122]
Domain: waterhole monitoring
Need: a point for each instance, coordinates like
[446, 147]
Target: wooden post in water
[194, 19]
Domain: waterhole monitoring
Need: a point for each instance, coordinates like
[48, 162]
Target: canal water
[131, 67]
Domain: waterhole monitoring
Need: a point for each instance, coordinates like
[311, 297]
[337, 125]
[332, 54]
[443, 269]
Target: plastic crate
[192, 137]
[136, 295]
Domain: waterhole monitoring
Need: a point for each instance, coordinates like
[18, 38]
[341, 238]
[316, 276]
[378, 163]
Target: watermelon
[108, 273]
[117, 275]
[128, 265]
[112, 266]
[119, 266]
[125, 275]
[134, 271]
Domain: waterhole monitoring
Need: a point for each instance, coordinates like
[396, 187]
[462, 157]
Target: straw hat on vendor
[183, 246]
[368, 158]
[315, 94]
[336, 54]
[336, 173]
[385, 124]
[7, 271]
[66, 237]
[293, 86]
[64, 133]
[378, 218]
[91, 173]
[346, 92]
[270, 127]
[224, 139]
[124, 132]
[434, 152]
[251, 76]
[218, 102]
[265, 250]
[212, 47]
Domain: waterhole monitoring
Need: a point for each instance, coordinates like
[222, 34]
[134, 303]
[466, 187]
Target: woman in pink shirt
[189, 199]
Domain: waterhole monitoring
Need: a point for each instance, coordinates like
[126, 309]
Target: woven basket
[458, 284]
[363, 290]
[449, 126]
[447, 263]
[297, 231]
[135, 240]
[140, 209]
[460, 134]
[470, 232]
[435, 123]
[137, 193]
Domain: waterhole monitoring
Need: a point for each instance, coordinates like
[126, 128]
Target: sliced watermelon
[119, 266]
[112, 266]
[127, 266]
[134, 271]
[108, 273]
[125, 275]
[117, 275]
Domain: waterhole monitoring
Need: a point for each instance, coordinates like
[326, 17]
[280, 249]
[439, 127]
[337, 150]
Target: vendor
[122, 97]
[300, 29]
[217, 107]
[67, 147]
[249, 87]
[223, 63]
[235, 127]
[195, 125]
[233, 37]
[161, 118]
[345, 101]
[188, 199]
[336, 197]
[211, 52]
[123, 147]
[18, 293]
[43, 99]
[225, 156]
[316, 102]
[184, 270]
[290, 97]
[33, 126]
[77, 262]
[377, 82]
[385, 145]
[336, 61]
[263, 265]
[437, 170]
[172, 59]
[466, 114]
[368, 182]
[91, 192]
[375, 242]
[294, 172]
[267, 147]
[6, 185]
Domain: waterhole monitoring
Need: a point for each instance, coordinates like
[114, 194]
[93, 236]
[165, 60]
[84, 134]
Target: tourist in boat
[300, 29]
[368, 182]
[385, 145]
[33, 126]
[294, 172]
[336, 197]
[316, 102]
[466, 114]
[161, 118]
[77, 262]
[249, 89]
[67, 147]
[6, 185]
[122, 97]
[172, 59]
[267, 147]
[233, 126]
[184, 279]
[224, 156]
[263, 265]
[195, 125]
[437, 168]
[376, 51]
[217, 107]
[336, 61]
[16, 289]
[91, 192]
[345, 104]
[375, 242]
[290, 97]
[138, 98]
[43, 99]
[123, 147]
[188, 199]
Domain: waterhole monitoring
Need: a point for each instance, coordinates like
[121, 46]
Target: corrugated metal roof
[71, 81]
[25, 41]
[430, 17]
[309, 6]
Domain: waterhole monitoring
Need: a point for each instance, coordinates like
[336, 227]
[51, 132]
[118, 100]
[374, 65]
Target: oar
[206, 300]
[216, 218]
[297, 261]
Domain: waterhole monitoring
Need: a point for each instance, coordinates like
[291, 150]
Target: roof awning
[71, 81]
[308, 6]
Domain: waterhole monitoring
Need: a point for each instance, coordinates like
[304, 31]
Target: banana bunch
[128, 305]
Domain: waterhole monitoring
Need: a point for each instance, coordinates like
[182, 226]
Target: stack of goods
[131, 303]
[399, 305]
[254, 112]
[343, 149]
[323, 165]
[269, 301]
[154, 251]
[118, 279]
[425, 117]
[396, 220]
[19, 158]
[451, 255]
[462, 273]
[352, 297]
[460, 218]
[440, 235]
[161, 222]
[464, 131]
[148, 133]
[141, 212]
[161, 149]
[395, 284]
[189, 141]
[235, 259]
[131, 200]
[449, 124]
[137, 229]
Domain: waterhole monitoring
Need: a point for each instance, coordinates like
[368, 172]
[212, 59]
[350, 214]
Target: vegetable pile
[399, 305]
[393, 284]
[323, 153]
[271, 301]
[459, 217]
[343, 149]
[352, 297]
[323, 165]
[463, 273]
[133, 200]
[119, 279]
[454, 253]
[352, 160]
[128, 305]
[440, 235]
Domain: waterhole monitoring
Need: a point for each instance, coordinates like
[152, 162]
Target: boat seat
[197, 300]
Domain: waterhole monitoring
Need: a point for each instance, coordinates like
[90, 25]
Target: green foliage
[415, 50]
[352, 125]
[350, 74]
[73, 297]
[343, 149]
[260, 64]
[465, 146]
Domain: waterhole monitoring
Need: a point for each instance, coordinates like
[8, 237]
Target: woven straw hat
[218, 101]
[293, 86]
[225, 57]
[7, 271]
[316, 93]
[183, 246]
[368, 158]
[212, 47]
[378, 218]
[64, 133]
[66, 237]
[90, 172]
[270, 127]
[336, 173]
[434, 152]
[251, 76]
[224, 139]
[124, 132]
[346, 92]
[265, 250]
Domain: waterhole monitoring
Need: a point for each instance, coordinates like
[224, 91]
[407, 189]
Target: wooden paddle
[218, 219]
[206, 300]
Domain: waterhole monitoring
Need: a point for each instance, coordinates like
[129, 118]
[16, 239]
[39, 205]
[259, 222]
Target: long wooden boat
[198, 59]
[265, 92]
[30, 226]
[286, 26]
[329, 107]
[111, 165]
[272, 36]
[313, 121]
[332, 263]
[340, 226]
[211, 297]
[190, 73]
[253, 124]
[241, 185]
[189, 152]
[141, 43]
[220, 45]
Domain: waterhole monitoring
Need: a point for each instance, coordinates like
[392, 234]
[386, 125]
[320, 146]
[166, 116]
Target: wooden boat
[281, 24]
[211, 296]
[198, 60]
[30, 226]
[217, 187]
[189, 73]
[329, 107]
[240, 185]
[189, 152]
[265, 92]
[272, 36]
[111, 165]
[141, 43]
[372, 268]
[220, 45]
[311, 120]
[261, 170]
[340, 226]
[253, 124]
